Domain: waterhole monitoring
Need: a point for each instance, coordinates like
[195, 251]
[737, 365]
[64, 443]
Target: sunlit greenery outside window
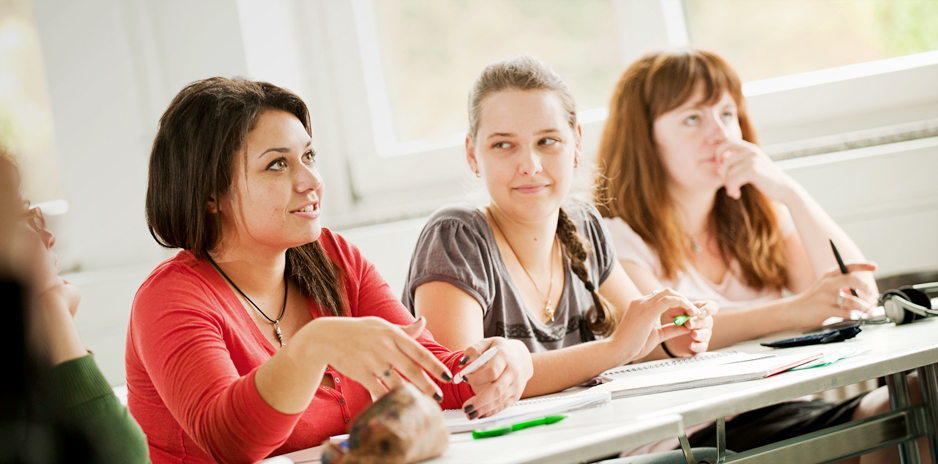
[431, 51]
[771, 38]
[26, 128]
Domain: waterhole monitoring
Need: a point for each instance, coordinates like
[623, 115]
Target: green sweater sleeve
[77, 394]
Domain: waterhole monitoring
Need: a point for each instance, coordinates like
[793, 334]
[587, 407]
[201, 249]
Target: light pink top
[732, 293]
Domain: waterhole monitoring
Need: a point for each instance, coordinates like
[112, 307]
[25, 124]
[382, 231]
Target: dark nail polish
[469, 408]
[447, 377]
[438, 397]
[463, 361]
[483, 416]
[472, 415]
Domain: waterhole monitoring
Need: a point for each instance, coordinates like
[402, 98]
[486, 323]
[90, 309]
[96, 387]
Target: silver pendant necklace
[548, 310]
[283, 311]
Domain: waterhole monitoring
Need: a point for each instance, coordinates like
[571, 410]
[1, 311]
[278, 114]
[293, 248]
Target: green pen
[514, 428]
[680, 320]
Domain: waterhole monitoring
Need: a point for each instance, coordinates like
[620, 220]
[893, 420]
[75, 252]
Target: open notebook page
[531, 408]
[657, 381]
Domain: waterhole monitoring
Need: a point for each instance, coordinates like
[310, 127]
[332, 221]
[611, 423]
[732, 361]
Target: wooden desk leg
[928, 383]
[899, 398]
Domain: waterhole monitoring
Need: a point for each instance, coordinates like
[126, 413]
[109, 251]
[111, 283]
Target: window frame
[373, 162]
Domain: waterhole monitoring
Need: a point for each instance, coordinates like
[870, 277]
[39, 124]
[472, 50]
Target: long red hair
[634, 185]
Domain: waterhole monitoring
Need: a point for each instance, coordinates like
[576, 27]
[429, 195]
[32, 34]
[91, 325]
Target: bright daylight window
[431, 51]
[26, 128]
[772, 38]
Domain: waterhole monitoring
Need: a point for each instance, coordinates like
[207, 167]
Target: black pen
[840, 262]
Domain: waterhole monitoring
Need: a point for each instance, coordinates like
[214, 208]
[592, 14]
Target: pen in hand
[843, 268]
[475, 365]
[681, 320]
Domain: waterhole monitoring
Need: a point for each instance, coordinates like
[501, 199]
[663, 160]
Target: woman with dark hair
[268, 333]
[694, 204]
[55, 405]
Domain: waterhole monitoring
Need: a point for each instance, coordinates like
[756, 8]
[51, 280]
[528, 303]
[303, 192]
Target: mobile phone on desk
[834, 335]
[834, 326]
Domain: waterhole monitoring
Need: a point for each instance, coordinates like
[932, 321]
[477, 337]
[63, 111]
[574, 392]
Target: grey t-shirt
[457, 246]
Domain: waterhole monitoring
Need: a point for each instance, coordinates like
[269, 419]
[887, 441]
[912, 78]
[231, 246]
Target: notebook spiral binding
[670, 362]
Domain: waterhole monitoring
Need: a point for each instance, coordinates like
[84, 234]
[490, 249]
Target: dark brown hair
[527, 73]
[634, 185]
[192, 162]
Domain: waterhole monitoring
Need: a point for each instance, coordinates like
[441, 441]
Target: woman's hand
[501, 380]
[60, 296]
[701, 328]
[52, 325]
[638, 333]
[377, 354]
[830, 296]
[745, 163]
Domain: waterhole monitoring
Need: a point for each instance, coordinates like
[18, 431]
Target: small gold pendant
[279, 334]
[549, 310]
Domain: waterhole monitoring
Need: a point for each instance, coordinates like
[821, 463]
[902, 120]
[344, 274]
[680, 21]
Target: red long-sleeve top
[192, 351]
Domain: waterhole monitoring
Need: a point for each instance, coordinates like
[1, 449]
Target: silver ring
[840, 299]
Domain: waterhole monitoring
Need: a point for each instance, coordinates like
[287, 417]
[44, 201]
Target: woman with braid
[534, 264]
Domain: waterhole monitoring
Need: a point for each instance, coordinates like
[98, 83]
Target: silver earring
[478, 174]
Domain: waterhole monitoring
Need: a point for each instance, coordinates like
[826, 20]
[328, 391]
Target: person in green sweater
[55, 405]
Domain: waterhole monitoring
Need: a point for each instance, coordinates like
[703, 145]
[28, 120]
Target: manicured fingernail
[446, 377]
[468, 409]
[438, 397]
[483, 416]
[472, 415]
[463, 361]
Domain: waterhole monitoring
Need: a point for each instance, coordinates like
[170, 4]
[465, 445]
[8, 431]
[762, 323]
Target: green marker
[514, 428]
[680, 320]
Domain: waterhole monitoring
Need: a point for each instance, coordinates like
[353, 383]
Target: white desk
[585, 435]
[893, 350]
[630, 422]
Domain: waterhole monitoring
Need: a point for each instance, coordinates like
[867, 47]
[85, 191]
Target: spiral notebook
[710, 358]
[673, 375]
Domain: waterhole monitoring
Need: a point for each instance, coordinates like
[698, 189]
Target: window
[771, 38]
[26, 128]
[431, 52]
[388, 80]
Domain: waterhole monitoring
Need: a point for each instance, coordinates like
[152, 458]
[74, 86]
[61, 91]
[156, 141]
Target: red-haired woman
[693, 204]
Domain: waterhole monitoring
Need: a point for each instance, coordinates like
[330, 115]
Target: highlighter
[514, 428]
[680, 320]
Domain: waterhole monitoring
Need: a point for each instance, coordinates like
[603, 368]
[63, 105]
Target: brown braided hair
[528, 73]
[599, 318]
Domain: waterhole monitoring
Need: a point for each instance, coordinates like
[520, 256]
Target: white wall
[112, 67]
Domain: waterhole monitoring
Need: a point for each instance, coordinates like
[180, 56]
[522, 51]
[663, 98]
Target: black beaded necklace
[283, 311]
